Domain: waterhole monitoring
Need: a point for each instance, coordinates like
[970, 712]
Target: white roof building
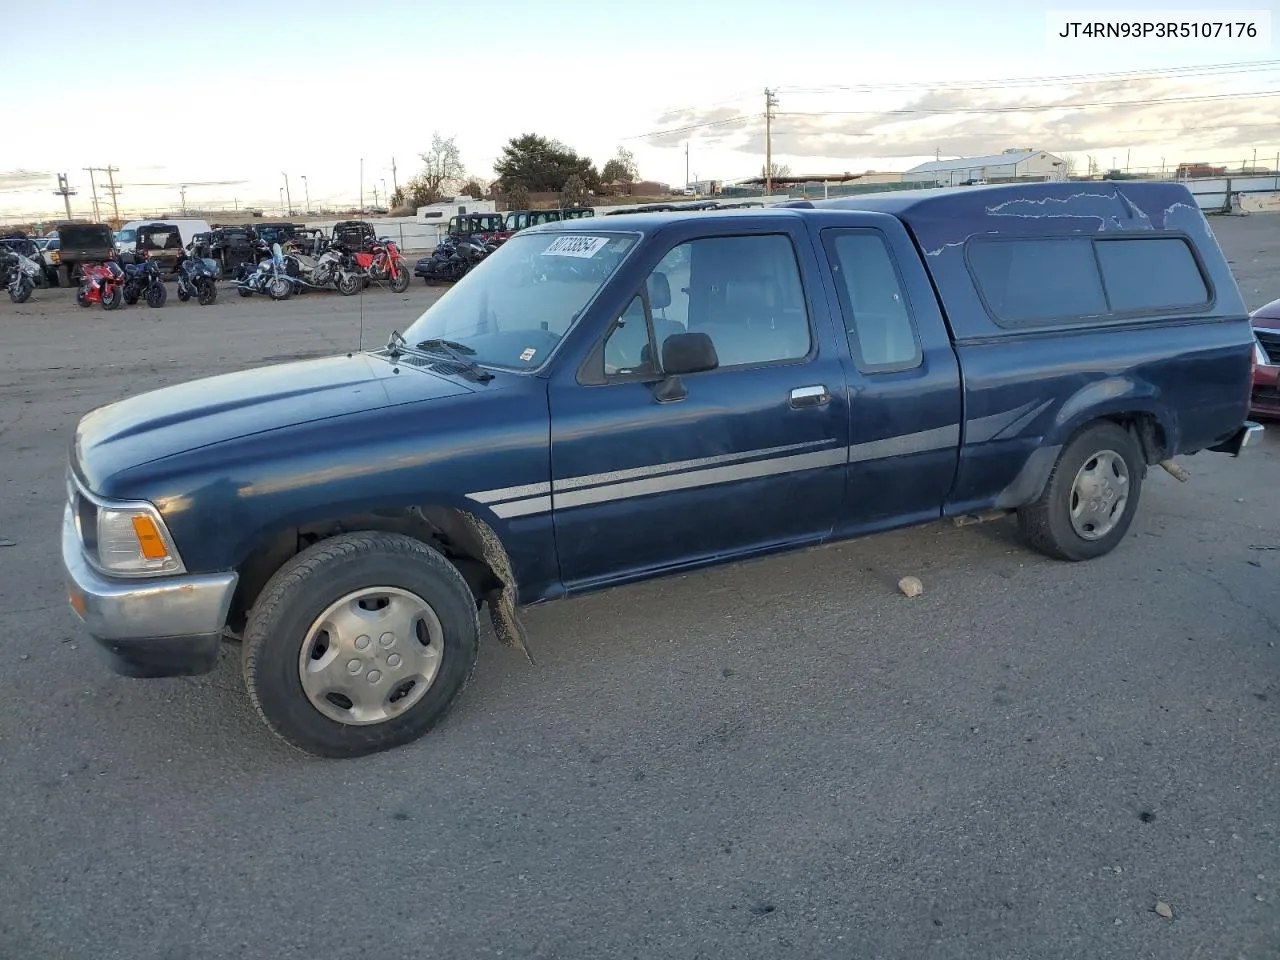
[999, 166]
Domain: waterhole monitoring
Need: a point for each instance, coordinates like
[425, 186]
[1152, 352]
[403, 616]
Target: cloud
[21, 179]
[1111, 114]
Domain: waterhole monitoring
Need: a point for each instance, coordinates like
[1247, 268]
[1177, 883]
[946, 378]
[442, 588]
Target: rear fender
[1125, 400]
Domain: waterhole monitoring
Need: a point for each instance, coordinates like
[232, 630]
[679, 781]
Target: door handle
[814, 396]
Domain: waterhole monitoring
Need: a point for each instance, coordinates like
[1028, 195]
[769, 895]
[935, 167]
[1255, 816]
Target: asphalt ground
[785, 758]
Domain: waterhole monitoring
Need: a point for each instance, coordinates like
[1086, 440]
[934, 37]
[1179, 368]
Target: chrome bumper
[1248, 433]
[127, 615]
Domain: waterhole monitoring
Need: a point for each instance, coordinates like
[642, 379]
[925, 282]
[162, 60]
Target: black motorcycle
[144, 279]
[452, 259]
[198, 277]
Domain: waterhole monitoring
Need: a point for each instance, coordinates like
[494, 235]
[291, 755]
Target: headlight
[127, 539]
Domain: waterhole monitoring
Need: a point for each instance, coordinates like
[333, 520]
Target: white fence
[1254, 192]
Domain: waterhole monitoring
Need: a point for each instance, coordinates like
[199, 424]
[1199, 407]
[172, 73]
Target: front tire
[207, 293]
[1091, 496]
[279, 288]
[113, 298]
[359, 644]
[157, 294]
[349, 284]
[23, 292]
[401, 282]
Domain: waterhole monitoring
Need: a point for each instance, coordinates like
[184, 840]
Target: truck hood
[185, 417]
[1268, 313]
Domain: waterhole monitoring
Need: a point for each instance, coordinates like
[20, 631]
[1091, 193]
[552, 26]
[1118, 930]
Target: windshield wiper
[456, 351]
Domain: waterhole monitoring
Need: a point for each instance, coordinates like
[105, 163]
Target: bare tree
[442, 165]
[779, 170]
[1069, 165]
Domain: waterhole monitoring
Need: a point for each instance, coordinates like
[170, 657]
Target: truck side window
[878, 324]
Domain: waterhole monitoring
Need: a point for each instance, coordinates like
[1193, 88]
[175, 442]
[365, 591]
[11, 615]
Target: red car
[1266, 370]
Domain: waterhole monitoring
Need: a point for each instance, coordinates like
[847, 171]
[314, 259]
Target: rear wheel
[82, 295]
[1089, 502]
[360, 643]
[183, 296]
[243, 292]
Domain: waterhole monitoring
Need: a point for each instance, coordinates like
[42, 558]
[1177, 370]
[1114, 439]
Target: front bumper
[155, 627]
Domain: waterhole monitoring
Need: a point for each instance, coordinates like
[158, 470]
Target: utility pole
[686, 163]
[394, 186]
[115, 208]
[64, 189]
[375, 196]
[770, 101]
[97, 215]
[182, 192]
[287, 197]
[362, 186]
[306, 190]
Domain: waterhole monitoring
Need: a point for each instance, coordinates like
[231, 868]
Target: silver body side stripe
[922, 442]
[701, 478]
[534, 498]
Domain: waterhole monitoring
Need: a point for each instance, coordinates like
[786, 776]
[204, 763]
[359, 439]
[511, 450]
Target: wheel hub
[371, 655]
[1099, 495]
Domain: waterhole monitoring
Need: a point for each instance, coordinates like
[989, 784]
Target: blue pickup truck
[612, 400]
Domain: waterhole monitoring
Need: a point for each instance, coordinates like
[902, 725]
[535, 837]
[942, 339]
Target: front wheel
[360, 643]
[20, 290]
[401, 281]
[112, 297]
[157, 294]
[349, 284]
[1089, 502]
[207, 293]
[279, 288]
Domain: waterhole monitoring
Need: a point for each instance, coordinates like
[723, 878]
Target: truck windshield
[513, 308]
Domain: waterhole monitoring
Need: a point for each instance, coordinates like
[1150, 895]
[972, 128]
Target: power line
[1037, 107]
[1206, 70]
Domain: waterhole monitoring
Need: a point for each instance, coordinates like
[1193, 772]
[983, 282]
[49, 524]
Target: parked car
[186, 227]
[517, 220]
[611, 401]
[76, 245]
[161, 243]
[1265, 400]
[228, 247]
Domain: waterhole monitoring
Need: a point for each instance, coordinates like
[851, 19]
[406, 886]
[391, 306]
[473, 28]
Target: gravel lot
[782, 759]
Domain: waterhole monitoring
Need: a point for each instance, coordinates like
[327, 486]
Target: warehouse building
[1010, 165]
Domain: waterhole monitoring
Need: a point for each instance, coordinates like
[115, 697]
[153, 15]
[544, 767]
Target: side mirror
[684, 353]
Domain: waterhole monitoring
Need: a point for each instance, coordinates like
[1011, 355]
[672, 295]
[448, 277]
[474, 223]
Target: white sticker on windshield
[583, 247]
[528, 354]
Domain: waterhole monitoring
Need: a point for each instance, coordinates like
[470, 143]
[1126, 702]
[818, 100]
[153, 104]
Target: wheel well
[464, 539]
[1146, 429]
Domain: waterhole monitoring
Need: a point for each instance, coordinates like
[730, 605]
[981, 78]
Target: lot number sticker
[583, 247]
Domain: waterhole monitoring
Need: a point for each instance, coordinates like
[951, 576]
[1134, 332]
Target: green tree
[397, 198]
[517, 197]
[543, 165]
[442, 165]
[622, 167]
[474, 188]
[575, 191]
[421, 193]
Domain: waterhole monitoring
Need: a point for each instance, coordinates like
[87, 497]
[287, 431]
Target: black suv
[78, 244]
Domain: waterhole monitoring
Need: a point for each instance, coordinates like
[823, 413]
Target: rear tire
[288, 628]
[1090, 499]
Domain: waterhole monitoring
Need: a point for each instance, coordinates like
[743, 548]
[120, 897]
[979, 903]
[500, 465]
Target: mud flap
[501, 600]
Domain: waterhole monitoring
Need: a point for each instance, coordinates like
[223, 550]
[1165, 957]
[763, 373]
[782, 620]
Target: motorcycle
[452, 260]
[20, 276]
[268, 277]
[101, 283]
[383, 263]
[143, 279]
[197, 277]
[332, 267]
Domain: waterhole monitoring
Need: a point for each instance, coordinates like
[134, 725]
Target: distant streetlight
[282, 202]
[306, 192]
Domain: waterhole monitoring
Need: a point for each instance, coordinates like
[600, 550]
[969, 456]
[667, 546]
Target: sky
[232, 102]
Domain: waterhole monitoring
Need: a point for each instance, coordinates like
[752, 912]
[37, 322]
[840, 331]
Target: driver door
[750, 458]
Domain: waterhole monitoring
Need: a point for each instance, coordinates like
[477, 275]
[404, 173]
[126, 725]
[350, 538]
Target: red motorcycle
[101, 283]
[383, 263]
